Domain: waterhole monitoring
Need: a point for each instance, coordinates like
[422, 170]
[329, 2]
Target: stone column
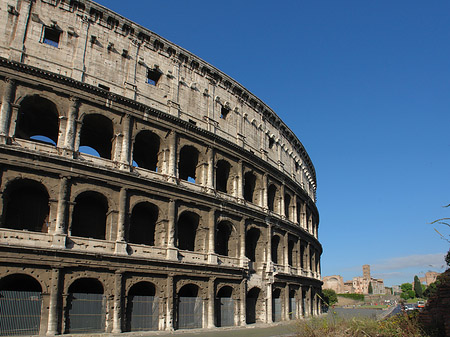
[122, 222]
[265, 187]
[61, 215]
[242, 235]
[53, 308]
[294, 210]
[117, 317]
[282, 209]
[269, 318]
[210, 176]
[6, 109]
[269, 246]
[286, 252]
[170, 315]
[126, 131]
[172, 216]
[243, 302]
[71, 126]
[211, 300]
[240, 181]
[173, 156]
[212, 257]
[287, 303]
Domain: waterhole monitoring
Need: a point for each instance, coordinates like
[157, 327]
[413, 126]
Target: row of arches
[155, 150]
[84, 306]
[26, 207]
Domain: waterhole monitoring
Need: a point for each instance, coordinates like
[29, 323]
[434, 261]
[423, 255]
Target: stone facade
[358, 285]
[132, 170]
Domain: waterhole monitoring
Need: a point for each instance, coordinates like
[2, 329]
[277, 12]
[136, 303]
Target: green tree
[418, 287]
[370, 288]
[407, 291]
[329, 296]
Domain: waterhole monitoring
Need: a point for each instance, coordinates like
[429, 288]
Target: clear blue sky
[365, 85]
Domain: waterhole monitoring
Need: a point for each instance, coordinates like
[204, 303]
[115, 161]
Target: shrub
[357, 297]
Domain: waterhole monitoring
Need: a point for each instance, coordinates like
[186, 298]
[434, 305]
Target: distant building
[429, 277]
[358, 285]
[334, 282]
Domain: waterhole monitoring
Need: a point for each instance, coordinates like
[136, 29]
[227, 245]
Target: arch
[85, 311]
[97, 132]
[291, 246]
[142, 224]
[249, 186]
[302, 257]
[225, 307]
[292, 304]
[226, 239]
[271, 195]
[276, 305]
[142, 308]
[190, 308]
[275, 247]
[187, 225]
[146, 149]
[38, 120]
[26, 206]
[89, 215]
[222, 175]
[252, 307]
[251, 243]
[287, 206]
[21, 303]
[187, 165]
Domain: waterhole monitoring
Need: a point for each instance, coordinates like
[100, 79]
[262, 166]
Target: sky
[365, 86]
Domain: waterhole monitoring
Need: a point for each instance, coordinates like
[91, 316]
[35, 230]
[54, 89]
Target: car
[410, 307]
[420, 304]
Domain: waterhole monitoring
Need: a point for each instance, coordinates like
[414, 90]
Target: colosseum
[141, 187]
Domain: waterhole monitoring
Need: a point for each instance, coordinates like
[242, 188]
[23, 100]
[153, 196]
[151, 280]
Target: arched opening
[225, 307]
[89, 215]
[187, 230]
[252, 307]
[142, 310]
[20, 305]
[275, 247]
[146, 149]
[302, 256]
[190, 308]
[188, 163]
[251, 243]
[292, 305]
[142, 224]
[271, 194]
[97, 133]
[299, 209]
[222, 175]
[276, 305]
[38, 120]
[291, 245]
[249, 186]
[26, 206]
[287, 206]
[85, 311]
[223, 237]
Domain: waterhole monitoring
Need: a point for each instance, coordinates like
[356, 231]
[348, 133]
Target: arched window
[85, 307]
[276, 305]
[222, 175]
[249, 186]
[142, 224]
[225, 307]
[251, 243]
[275, 248]
[146, 149]
[142, 310]
[38, 120]
[97, 134]
[223, 235]
[287, 206]
[291, 245]
[271, 194]
[26, 206]
[187, 165]
[190, 308]
[187, 229]
[89, 215]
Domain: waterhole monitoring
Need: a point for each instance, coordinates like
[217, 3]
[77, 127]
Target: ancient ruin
[142, 188]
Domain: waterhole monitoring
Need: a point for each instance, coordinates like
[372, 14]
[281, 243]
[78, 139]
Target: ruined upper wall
[99, 47]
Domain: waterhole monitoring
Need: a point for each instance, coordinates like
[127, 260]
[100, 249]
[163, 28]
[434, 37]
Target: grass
[401, 325]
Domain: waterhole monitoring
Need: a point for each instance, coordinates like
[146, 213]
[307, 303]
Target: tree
[407, 291]
[329, 296]
[444, 221]
[417, 287]
[370, 288]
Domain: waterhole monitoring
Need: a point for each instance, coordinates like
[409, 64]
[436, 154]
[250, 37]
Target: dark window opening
[192, 122]
[187, 229]
[223, 235]
[188, 163]
[251, 243]
[38, 120]
[271, 142]
[26, 206]
[224, 112]
[302, 256]
[97, 133]
[299, 209]
[20, 282]
[297, 166]
[251, 302]
[153, 76]
[89, 216]
[287, 206]
[51, 36]
[271, 193]
[146, 149]
[291, 245]
[142, 224]
[104, 87]
[249, 186]
[275, 245]
[87, 286]
[222, 175]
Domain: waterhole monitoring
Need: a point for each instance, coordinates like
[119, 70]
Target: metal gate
[292, 308]
[250, 311]
[276, 309]
[143, 312]
[20, 312]
[86, 313]
[190, 312]
[225, 311]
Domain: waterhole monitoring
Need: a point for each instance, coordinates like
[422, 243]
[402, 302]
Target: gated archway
[225, 307]
[292, 305]
[276, 305]
[20, 305]
[85, 311]
[190, 308]
[251, 302]
[142, 311]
